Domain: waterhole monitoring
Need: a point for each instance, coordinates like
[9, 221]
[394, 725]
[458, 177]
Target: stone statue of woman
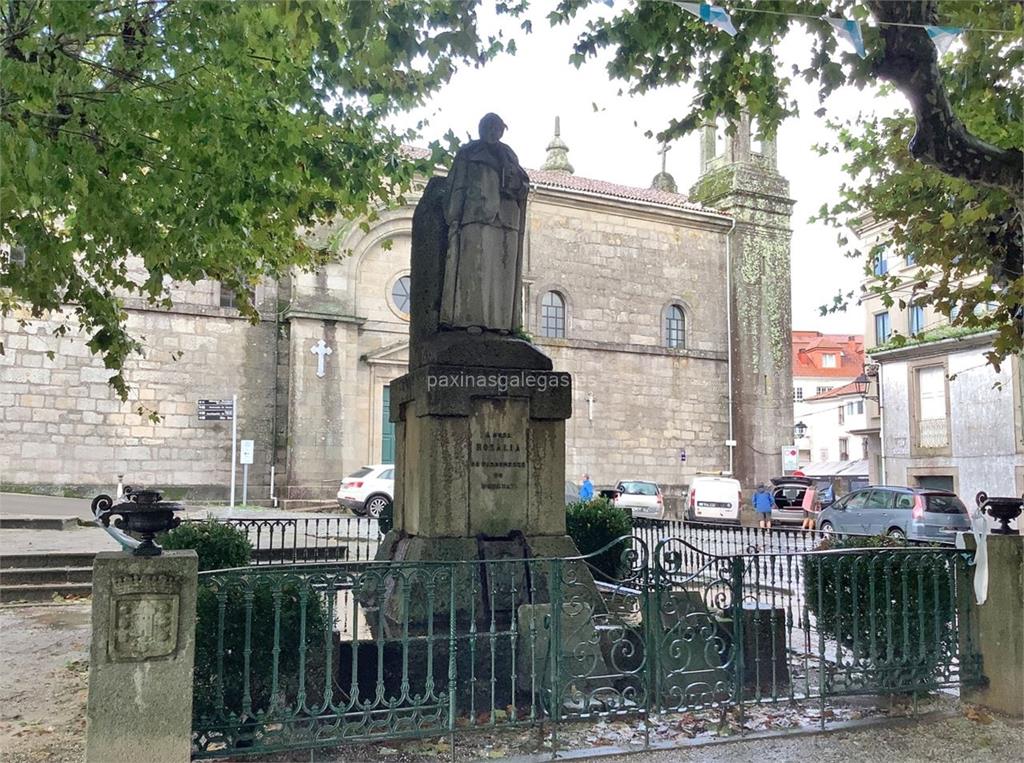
[485, 209]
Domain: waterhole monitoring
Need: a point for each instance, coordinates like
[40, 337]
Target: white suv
[368, 491]
[640, 497]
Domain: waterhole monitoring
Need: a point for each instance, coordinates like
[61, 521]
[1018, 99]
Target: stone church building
[628, 289]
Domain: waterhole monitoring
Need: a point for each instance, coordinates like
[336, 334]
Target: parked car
[368, 491]
[714, 499]
[793, 496]
[572, 492]
[900, 512]
[607, 491]
[643, 499]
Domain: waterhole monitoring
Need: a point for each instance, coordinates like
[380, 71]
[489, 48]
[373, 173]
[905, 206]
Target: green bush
[593, 525]
[222, 546]
[893, 609]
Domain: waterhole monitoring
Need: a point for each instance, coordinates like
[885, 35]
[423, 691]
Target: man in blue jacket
[763, 503]
[586, 489]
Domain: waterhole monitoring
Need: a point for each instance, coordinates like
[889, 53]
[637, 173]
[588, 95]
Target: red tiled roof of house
[810, 346]
[847, 389]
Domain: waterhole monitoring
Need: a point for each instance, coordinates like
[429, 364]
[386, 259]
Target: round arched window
[675, 327]
[552, 315]
[400, 295]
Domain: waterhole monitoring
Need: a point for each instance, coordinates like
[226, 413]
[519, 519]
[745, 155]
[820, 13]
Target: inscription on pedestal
[497, 466]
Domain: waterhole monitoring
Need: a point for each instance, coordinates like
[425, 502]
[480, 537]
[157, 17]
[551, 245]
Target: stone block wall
[64, 430]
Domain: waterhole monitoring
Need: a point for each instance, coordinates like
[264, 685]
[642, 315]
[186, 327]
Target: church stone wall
[63, 429]
[619, 266]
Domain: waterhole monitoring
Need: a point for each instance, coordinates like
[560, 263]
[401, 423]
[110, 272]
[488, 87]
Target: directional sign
[245, 448]
[216, 410]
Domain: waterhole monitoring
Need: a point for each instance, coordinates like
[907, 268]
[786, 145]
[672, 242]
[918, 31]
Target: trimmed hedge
[222, 546]
[593, 525]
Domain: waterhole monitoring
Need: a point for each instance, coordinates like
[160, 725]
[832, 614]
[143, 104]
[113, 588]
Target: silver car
[900, 512]
[640, 497]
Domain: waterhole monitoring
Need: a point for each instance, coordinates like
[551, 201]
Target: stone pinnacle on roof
[558, 153]
[664, 181]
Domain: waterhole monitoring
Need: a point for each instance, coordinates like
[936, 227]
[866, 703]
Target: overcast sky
[529, 89]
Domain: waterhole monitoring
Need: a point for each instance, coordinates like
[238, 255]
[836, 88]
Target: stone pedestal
[140, 666]
[997, 629]
[480, 477]
[480, 451]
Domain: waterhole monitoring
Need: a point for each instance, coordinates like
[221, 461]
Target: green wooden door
[387, 436]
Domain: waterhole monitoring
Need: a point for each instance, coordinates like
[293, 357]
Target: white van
[714, 499]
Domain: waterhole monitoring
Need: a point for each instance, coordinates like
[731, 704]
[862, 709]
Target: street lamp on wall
[861, 385]
[799, 430]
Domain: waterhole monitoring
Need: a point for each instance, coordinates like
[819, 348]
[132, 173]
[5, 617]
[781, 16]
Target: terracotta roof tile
[846, 389]
[809, 346]
[565, 181]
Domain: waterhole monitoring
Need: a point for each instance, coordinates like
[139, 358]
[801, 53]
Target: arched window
[675, 327]
[552, 315]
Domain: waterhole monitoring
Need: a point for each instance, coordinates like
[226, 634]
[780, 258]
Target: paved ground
[44, 506]
[44, 672]
[959, 738]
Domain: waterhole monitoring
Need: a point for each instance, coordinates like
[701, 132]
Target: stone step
[22, 522]
[44, 592]
[57, 559]
[55, 576]
[307, 504]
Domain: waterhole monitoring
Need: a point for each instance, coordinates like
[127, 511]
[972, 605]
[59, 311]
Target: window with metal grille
[931, 407]
[552, 315]
[675, 326]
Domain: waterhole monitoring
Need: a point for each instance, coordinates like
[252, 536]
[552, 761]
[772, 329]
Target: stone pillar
[998, 630]
[140, 666]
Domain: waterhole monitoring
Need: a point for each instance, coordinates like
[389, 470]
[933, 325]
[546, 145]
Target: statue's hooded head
[491, 128]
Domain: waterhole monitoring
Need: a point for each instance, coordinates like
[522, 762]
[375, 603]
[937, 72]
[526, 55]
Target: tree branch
[910, 62]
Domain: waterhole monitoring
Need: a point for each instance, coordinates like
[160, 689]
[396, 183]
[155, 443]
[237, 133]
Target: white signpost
[245, 458]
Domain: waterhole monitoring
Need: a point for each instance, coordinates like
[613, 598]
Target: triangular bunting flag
[711, 14]
[943, 36]
[849, 31]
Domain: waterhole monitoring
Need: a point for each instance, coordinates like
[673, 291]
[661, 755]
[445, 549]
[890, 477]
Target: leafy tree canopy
[197, 139]
[946, 174]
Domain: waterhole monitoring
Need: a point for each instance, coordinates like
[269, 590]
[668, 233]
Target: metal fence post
[737, 629]
[554, 650]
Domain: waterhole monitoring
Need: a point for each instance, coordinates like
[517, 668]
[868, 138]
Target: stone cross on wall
[665, 148]
[321, 350]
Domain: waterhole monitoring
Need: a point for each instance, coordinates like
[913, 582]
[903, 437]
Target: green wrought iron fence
[304, 656]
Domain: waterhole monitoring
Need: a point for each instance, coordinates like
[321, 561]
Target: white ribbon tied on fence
[979, 528]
